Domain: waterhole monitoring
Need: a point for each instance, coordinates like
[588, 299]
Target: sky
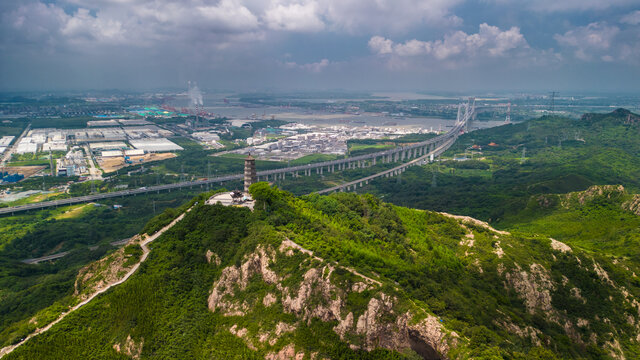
[287, 45]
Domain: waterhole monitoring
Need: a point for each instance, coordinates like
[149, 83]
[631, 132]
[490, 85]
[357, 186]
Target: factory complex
[319, 140]
[148, 138]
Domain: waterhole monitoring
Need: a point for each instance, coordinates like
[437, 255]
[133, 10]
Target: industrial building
[101, 123]
[5, 141]
[72, 164]
[113, 145]
[155, 145]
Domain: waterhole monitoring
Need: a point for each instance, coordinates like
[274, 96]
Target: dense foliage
[164, 306]
[86, 231]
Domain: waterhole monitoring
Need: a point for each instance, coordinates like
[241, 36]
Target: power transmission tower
[524, 152]
[553, 101]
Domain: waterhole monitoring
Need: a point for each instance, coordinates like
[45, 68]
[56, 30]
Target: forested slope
[348, 276]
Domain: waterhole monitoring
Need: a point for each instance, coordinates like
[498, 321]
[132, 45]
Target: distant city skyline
[356, 45]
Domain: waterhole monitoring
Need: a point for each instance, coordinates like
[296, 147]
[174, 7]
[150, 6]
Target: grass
[74, 212]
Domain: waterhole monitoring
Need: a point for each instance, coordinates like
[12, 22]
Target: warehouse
[155, 145]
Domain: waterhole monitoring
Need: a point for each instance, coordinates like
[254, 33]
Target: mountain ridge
[503, 294]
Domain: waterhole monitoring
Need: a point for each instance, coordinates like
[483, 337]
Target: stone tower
[250, 175]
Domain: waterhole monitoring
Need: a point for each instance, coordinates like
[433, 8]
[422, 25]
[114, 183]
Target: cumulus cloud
[588, 42]
[567, 5]
[315, 67]
[144, 21]
[632, 18]
[380, 45]
[389, 15]
[489, 41]
[294, 17]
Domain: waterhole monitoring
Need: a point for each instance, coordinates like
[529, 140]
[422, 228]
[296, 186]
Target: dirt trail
[145, 252]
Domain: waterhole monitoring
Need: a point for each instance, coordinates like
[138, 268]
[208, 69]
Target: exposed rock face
[287, 353]
[524, 332]
[582, 197]
[534, 287]
[599, 190]
[560, 246]
[317, 296]
[633, 205]
[130, 348]
[212, 258]
[498, 250]
[475, 222]
[269, 300]
[99, 274]
[602, 274]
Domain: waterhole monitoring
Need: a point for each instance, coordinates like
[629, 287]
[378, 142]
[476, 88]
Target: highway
[418, 151]
[391, 172]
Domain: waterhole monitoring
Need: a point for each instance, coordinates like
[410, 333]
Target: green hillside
[350, 277]
[560, 155]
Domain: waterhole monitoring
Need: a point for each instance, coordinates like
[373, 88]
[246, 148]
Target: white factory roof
[108, 145]
[6, 140]
[27, 147]
[2, 149]
[134, 122]
[135, 152]
[54, 146]
[112, 153]
[155, 145]
[102, 123]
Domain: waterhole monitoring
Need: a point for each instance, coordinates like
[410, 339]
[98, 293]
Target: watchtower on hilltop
[250, 174]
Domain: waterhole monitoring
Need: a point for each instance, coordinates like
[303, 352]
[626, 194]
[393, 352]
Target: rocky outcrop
[534, 287]
[103, 272]
[475, 222]
[524, 332]
[595, 191]
[560, 246]
[130, 348]
[320, 295]
[212, 258]
[632, 205]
